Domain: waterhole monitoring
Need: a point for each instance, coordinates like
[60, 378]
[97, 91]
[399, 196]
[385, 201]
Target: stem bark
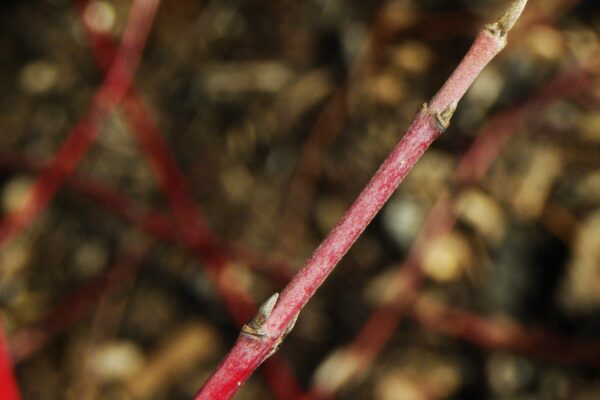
[262, 336]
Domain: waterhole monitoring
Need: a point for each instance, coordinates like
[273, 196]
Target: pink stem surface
[269, 328]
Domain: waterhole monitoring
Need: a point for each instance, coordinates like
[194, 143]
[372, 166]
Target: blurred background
[249, 129]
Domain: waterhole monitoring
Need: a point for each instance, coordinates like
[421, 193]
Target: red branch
[261, 337]
[154, 223]
[503, 335]
[384, 320]
[85, 132]
[375, 332]
[8, 383]
[74, 307]
[190, 220]
[471, 169]
[157, 224]
[72, 151]
[198, 237]
[482, 153]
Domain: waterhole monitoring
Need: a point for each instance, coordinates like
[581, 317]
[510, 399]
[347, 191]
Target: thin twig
[189, 218]
[81, 138]
[74, 307]
[155, 223]
[261, 337]
[8, 383]
[493, 334]
[471, 169]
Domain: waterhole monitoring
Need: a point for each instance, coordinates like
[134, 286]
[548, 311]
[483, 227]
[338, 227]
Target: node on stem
[501, 27]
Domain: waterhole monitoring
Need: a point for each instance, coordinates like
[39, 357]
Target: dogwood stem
[262, 336]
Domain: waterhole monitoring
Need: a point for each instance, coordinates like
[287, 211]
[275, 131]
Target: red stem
[482, 153]
[188, 215]
[85, 132]
[503, 335]
[248, 352]
[154, 223]
[471, 169]
[259, 339]
[73, 308]
[383, 322]
[374, 334]
[8, 383]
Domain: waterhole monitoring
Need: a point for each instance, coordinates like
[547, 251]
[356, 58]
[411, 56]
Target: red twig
[261, 336]
[375, 333]
[188, 216]
[85, 132]
[8, 383]
[503, 335]
[198, 237]
[471, 169]
[154, 223]
[73, 308]
[482, 153]
[157, 224]
[190, 220]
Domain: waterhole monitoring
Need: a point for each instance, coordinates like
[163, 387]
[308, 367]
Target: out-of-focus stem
[72, 151]
[503, 335]
[190, 221]
[8, 384]
[74, 307]
[327, 127]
